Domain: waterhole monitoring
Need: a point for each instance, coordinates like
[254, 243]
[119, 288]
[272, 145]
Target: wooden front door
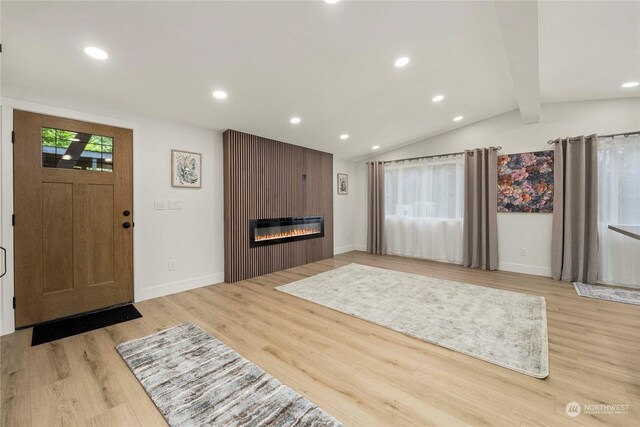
[73, 217]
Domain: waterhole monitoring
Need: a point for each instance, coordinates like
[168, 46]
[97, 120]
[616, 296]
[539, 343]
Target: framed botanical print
[343, 183]
[186, 169]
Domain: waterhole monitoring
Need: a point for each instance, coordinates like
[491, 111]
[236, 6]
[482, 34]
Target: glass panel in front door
[64, 149]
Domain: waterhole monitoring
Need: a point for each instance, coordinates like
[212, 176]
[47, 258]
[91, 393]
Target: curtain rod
[433, 156]
[626, 135]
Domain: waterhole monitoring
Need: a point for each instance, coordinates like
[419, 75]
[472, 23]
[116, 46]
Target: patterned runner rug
[196, 380]
[608, 293]
[501, 327]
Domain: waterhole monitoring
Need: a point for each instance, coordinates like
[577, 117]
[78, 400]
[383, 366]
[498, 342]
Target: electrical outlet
[523, 251]
[160, 204]
[171, 264]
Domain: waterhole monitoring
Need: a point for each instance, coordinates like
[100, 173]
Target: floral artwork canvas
[525, 182]
[186, 169]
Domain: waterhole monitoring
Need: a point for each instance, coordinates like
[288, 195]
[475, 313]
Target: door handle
[4, 261]
[126, 225]
[126, 213]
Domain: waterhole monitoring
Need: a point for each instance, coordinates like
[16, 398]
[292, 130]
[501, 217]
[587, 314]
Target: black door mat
[84, 323]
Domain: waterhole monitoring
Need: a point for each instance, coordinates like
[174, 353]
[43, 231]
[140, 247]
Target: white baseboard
[175, 287]
[524, 268]
[159, 291]
[343, 249]
[504, 266]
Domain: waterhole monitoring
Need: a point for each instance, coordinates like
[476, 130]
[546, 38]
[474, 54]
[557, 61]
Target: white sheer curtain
[618, 203]
[424, 208]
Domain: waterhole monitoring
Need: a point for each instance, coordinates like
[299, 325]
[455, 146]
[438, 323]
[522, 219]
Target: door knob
[126, 225]
[126, 213]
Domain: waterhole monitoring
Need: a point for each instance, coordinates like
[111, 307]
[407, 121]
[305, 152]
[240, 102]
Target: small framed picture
[186, 169]
[343, 183]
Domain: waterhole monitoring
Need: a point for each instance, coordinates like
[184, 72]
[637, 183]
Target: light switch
[174, 204]
[160, 204]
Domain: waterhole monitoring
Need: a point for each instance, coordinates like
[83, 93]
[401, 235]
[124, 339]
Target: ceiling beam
[518, 22]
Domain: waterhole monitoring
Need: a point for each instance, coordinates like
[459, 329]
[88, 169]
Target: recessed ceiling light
[401, 62]
[457, 118]
[96, 53]
[375, 147]
[66, 157]
[331, 1]
[437, 98]
[295, 120]
[219, 94]
[630, 84]
[344, 136]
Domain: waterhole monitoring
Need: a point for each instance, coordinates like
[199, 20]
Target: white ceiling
[331, 65]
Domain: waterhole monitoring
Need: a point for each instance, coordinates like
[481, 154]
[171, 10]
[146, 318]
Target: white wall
[193, 236]
[343, 208]
[516, 230]
[3, 281]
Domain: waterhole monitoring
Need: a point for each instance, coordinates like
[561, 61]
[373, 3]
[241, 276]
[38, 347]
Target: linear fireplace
[263, 232]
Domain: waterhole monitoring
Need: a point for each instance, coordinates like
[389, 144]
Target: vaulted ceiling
[332, 65]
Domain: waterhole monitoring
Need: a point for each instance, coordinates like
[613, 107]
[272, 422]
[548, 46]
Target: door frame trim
[7, 283]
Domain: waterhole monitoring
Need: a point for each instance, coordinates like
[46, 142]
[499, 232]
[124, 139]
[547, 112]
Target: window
[424, 208]
[619, 180]
[618, 204]
[65, 149]
[425, 189]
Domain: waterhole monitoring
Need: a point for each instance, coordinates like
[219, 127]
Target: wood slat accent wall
[263, 178]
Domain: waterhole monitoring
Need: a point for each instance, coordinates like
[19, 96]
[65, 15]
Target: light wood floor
[361, 373]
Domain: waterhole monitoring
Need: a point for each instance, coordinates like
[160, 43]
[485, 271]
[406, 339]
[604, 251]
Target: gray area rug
[607, 293]
[196, 380]
[505, 328]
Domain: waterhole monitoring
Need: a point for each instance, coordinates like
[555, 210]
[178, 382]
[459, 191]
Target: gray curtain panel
[375, 209]
[480, 232]
[575, 210]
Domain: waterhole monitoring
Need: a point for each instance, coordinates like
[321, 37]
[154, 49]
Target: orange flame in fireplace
[288, 233]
